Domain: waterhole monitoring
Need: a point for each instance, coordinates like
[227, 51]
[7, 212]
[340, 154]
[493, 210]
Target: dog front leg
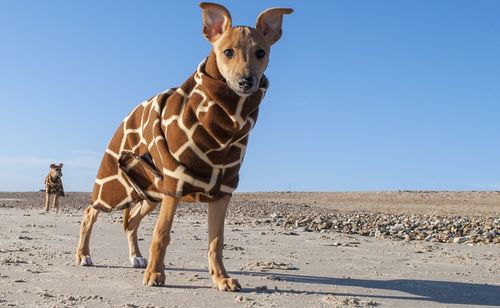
[55, 204]
[216, 217]
[155, 272]
[47, 200]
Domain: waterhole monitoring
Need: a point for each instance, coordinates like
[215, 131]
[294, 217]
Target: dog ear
[61, 165]
[269, 23]
[216, 20]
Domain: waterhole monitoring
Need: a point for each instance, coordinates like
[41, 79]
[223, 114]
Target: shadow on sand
[444, 292]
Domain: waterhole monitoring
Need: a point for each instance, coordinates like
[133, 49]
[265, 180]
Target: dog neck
[54, 177]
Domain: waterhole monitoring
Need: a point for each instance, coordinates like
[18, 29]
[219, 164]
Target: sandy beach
[387, 249]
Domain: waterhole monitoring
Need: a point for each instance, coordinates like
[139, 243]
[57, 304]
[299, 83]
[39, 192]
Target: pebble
[296, 218]
[243, 300]
[401, 227]
[265, 266]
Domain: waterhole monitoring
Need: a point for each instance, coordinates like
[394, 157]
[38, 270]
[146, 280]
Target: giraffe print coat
[54, 186]
[188, 142]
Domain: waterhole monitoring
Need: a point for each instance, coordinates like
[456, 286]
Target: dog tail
[126, 218]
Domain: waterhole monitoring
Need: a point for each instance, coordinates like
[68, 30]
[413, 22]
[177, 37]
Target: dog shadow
[111, 266]
[443, 292]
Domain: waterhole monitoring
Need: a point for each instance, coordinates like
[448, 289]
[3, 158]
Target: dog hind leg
[133, 221]
[82, 256]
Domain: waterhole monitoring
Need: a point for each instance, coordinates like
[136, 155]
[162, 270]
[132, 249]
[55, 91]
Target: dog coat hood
[188, 142]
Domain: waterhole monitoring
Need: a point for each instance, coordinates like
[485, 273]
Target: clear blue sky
[365, 95]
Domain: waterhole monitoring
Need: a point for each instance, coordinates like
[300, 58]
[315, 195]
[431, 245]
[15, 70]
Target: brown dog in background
[54, 186]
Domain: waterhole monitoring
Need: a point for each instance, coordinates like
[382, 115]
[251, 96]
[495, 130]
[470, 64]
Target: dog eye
[260, 54]
[229, 53]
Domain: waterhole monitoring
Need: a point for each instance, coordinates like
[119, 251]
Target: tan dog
[54, 186]
[204, 132]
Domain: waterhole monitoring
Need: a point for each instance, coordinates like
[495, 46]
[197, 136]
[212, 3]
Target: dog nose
[245, 83]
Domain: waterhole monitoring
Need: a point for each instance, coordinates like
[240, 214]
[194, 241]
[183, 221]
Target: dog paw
[83, 260]
[154, 278]
[226, 284]
[139, 262]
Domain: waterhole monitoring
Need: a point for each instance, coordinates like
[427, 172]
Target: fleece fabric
[188, 142]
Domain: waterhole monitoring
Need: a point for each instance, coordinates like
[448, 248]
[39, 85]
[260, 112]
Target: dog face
[56, 170]
[242, 52]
